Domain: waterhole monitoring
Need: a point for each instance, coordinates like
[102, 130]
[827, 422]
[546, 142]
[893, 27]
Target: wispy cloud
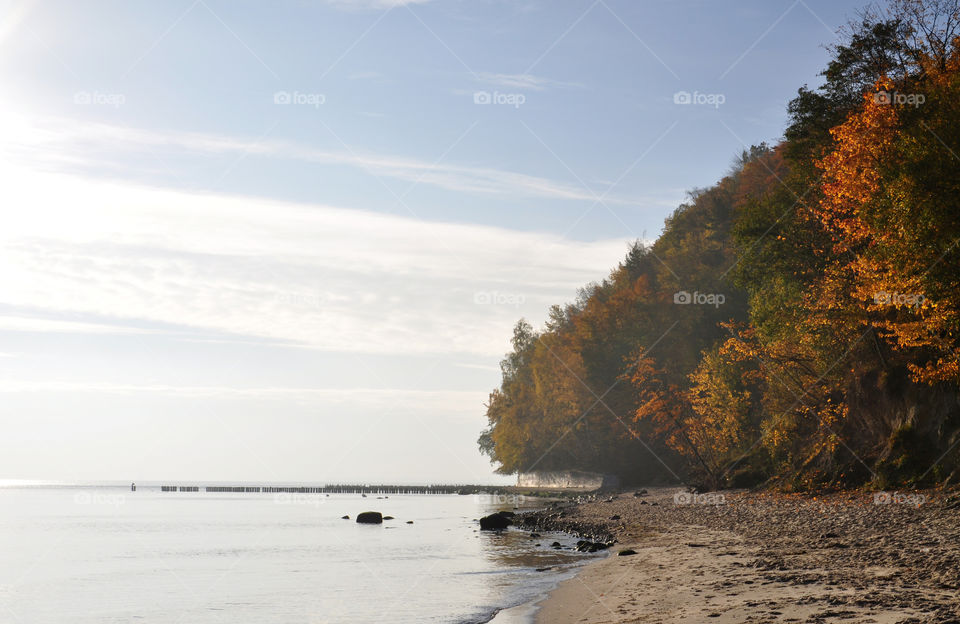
[324, 277]
[373, 4]
[70, 144]
[46, 326]
[382, 397]
[479, 367]
[525, 81]
[366, 75]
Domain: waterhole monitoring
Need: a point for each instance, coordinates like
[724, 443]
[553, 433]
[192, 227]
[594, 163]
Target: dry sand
[766, 558]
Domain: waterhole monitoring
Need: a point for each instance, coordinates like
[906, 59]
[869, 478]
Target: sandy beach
[741, 557]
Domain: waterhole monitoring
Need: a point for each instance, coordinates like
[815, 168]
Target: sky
[287, 241]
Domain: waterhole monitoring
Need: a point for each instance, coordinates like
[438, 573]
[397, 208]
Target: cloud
[524, 81]
[313, 275]
[366, 75]
[48, 326]
[395, 398]
[495, 369]
[68, 145]
[374, 4]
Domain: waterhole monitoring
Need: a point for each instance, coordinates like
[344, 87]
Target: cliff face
[566, 480]
[902, 430]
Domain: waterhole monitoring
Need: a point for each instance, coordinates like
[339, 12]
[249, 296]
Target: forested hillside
[798, 323]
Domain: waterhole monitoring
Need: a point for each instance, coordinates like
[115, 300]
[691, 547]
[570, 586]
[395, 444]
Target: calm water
[104, 554]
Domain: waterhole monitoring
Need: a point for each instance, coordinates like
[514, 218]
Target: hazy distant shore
[737, 556]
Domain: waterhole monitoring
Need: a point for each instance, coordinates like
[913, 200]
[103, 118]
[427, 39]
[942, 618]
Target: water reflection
[516, 548]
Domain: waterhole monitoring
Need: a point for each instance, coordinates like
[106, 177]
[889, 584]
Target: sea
[100, 553]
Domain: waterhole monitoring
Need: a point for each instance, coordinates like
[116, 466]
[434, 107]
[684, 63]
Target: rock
[388, 517]
[370, 517]
[614, 517]
[590, 547]
[626, 552]
[409, 521]
[344, 517]
[496, 522]
[555, 545]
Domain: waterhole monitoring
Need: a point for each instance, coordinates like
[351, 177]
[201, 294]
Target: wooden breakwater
[337, 489]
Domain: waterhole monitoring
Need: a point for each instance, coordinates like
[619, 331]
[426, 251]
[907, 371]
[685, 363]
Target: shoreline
[761, 557]
[525, 612]
[545, 520]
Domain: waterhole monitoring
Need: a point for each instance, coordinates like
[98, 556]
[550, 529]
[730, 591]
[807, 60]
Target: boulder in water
[370, 517]
[496, 522]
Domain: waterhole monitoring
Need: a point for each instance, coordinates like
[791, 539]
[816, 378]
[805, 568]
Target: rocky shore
[564, 518]
[736, 556]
